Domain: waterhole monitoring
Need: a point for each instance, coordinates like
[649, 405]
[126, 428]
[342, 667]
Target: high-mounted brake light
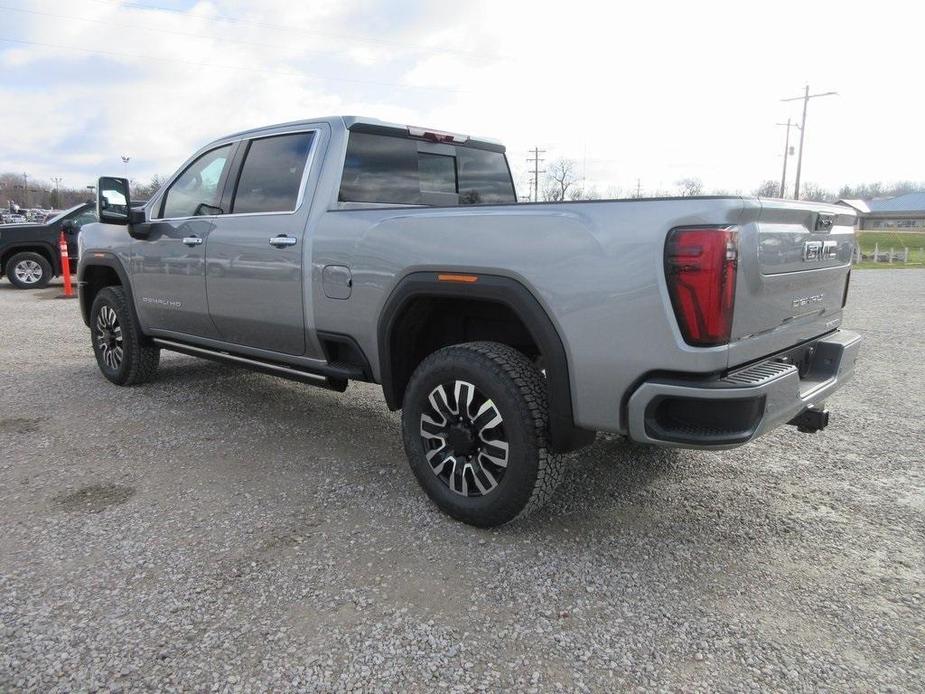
[437, 135]
[700, 265]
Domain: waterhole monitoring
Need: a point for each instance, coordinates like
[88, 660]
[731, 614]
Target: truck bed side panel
[597, 268]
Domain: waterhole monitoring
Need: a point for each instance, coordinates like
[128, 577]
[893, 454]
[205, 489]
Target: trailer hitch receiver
[811, 420]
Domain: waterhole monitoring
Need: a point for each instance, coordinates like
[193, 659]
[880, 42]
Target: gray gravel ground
[223, 530]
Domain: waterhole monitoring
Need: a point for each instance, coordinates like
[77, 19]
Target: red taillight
[700, 264]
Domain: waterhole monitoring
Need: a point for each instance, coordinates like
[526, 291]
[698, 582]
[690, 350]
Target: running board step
[332, 381]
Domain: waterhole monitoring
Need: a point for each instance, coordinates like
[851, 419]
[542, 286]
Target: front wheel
[124, 354]
[474, 424]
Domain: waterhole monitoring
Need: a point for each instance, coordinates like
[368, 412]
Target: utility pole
[638, 188]
[805, 98]
[536, 171]
[783, 178]
[57, 180]
[125, 161]
[25, 190]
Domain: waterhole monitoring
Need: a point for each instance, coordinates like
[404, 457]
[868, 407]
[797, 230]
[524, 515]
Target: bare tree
[582, 193]
[689, 187]
[144, 191]
[868, 191]
[816, 193]
[768, 189]
[560, 177]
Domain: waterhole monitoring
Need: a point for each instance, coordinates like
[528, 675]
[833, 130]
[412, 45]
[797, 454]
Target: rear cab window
[271, 177]
[391, 169]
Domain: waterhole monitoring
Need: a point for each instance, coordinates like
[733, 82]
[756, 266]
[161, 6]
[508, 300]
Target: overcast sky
[654, 91]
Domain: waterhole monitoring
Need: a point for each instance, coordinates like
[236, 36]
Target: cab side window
[271, 176]
[196, 191]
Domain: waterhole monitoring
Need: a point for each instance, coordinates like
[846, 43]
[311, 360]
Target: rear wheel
[125, 356]
[29, 270]
[474, 423]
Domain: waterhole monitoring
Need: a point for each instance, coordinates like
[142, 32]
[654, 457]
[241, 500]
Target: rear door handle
[192, 240]
[283, 241]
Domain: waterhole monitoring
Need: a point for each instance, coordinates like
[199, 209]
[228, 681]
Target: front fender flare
[100, 259]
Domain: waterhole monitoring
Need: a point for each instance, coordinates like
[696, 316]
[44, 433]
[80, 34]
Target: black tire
[125, 356]
[29, 270]
[507, 385]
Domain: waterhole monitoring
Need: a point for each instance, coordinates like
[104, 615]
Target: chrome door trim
[306, 172]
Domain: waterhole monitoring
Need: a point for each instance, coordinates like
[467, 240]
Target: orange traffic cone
[65, 267]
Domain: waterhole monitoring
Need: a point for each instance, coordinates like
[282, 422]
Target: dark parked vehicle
[29, 254]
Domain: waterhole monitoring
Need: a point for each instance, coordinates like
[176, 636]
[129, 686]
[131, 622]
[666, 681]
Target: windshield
[62, 215]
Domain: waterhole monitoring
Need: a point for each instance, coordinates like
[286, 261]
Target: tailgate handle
[825, 222]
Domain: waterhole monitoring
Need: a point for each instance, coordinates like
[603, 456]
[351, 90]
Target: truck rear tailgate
[794, 260]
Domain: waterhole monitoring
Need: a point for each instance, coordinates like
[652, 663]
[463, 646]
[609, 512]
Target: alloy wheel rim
[109, 337]
[28, 271]
[464, 440]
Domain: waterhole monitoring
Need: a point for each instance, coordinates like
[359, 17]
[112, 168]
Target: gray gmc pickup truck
[346, 248]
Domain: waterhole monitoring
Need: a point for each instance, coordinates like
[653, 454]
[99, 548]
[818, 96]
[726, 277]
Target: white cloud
[654, 91]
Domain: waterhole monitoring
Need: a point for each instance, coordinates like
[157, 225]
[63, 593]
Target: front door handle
[282, 241]
[192, 240]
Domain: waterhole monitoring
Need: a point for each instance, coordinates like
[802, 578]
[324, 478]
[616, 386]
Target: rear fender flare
[564, 435]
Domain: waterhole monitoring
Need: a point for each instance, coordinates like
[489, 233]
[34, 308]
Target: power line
[283, 27]
[536, 171]
[228, 67]
[204, 37]
[156, 30]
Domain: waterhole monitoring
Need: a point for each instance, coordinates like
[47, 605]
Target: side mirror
[113, 204]
[207, 209]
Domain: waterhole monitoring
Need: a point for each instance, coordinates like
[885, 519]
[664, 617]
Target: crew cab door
[168, 262]
[254, 253]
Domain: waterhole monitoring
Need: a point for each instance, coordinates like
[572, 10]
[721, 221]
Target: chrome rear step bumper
[742, 405]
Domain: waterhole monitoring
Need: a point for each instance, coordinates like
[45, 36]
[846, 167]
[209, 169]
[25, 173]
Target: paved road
[220, 529]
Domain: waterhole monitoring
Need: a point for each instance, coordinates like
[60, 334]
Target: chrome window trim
[306, 172]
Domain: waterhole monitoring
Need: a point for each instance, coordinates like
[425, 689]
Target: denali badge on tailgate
[801, 301]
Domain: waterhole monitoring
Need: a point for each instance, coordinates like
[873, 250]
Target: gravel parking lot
[225, 530]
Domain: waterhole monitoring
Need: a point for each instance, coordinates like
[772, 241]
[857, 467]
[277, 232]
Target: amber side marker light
[465, 279]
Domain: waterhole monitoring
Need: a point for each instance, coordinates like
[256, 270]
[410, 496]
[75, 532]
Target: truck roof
[349, 122]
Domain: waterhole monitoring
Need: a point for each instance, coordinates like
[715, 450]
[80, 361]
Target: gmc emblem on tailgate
[814, 251]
